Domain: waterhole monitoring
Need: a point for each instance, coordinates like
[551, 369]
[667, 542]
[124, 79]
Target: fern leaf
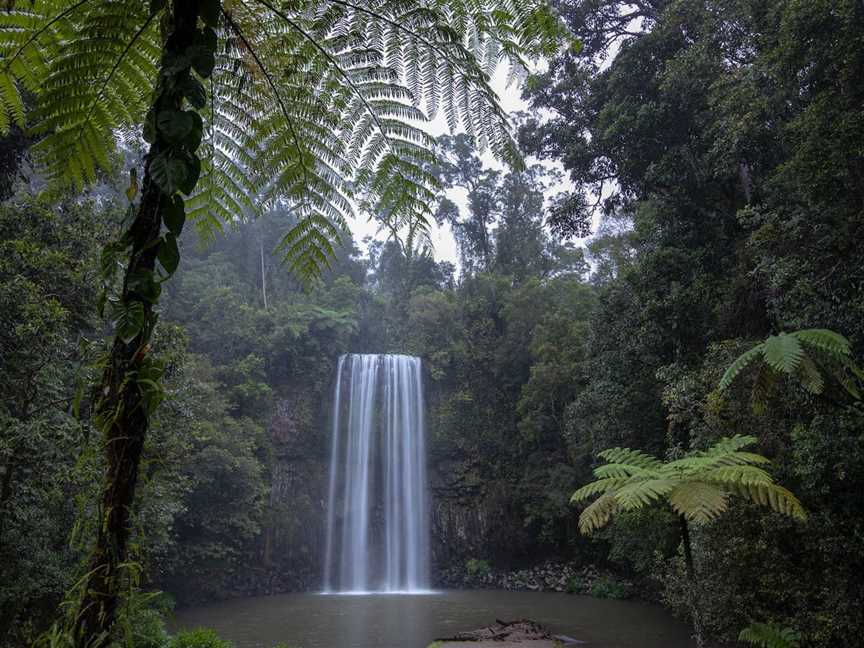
[775, 497]
[698, 502]
[642, 493]
[596, 487]
[825, 340]
[810, 376]
[783, 353]
[634, 458]
[770, 635]
[738, 475]
[620, 470]
[598, 514]
[741, 363]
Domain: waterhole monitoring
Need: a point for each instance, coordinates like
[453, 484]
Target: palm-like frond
[317, 103]
[697, 487]
[801, 354]
[770, 635]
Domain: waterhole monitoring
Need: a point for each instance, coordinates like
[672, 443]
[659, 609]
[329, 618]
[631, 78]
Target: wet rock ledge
[508, 634]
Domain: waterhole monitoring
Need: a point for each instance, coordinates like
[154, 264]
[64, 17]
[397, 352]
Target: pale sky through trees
[442, 237]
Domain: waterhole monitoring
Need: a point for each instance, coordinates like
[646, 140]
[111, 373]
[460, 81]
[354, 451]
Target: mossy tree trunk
[692, 582]
[121, 410]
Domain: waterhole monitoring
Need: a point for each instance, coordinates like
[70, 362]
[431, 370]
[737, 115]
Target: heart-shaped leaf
[194, 91]
[175, 124]
[143, 283]
[169, 254]
[169, 173]
[193, 138]
[193, 171]
[202, 52]
[174, 215]
[128, 319]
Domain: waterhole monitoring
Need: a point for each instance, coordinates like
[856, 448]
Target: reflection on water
[393, 621]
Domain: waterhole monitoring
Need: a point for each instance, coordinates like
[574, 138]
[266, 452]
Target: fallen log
[505, 634]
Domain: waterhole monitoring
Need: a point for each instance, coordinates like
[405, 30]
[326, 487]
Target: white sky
[442, 237]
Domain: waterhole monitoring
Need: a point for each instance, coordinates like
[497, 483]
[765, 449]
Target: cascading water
[377, 513]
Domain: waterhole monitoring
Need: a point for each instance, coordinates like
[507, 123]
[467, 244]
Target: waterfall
[377, 512]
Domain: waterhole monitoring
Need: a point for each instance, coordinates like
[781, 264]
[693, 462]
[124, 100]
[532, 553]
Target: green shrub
[609, 588]
[476, 567]
[144, 629]
[198, 638]
[575, 585]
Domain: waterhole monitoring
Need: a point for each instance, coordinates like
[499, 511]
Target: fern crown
[315, 103]
[698, 487]
[805, 355]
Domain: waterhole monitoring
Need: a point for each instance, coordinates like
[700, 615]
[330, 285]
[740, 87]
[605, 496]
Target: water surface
[413, 621]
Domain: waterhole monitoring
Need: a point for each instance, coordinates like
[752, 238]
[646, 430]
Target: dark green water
[413, 621]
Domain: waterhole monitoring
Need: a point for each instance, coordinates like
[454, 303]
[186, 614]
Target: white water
[377, 513]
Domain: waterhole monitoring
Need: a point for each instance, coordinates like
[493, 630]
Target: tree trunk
[121, 411]
[692, 582]
[263, 269]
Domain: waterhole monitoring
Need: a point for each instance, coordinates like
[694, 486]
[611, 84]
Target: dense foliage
[725, 138]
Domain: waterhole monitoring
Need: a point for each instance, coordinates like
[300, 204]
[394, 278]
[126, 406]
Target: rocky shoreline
[550, 576]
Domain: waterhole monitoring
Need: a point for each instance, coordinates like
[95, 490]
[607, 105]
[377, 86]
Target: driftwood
[505, 634]
[512, 631]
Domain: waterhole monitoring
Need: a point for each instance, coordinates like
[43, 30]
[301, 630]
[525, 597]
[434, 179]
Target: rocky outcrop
[297, 507]
[507, 634]
[550, 576]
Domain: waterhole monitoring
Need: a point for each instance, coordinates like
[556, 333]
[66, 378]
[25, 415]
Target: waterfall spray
[377, 516]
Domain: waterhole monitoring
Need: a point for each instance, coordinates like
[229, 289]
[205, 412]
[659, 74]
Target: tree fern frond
[96, 85]
[825, 340]
[783, 353]
[792, 354]
[741, 363]
[810, 377]
[770, 635]
[697, 486]
[637, 494]
[730, 444]
[598, 514]
[775, 497]
[635, 458]
[320, 105]
[738, 475]
[620, 470]
[698, 502]
[596, 487]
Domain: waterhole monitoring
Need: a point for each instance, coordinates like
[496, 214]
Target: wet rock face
[292, 543]
[459, 527]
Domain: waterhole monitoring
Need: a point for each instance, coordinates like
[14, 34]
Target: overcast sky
[442, 238]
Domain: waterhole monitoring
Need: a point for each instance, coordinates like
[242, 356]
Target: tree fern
[770, 635]
[698, 487]
[805, 355]
[318, 103]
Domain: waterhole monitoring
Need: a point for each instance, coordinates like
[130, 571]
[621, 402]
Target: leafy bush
[575, 585]
[606, 587]
[476, 567]
[199, 638]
